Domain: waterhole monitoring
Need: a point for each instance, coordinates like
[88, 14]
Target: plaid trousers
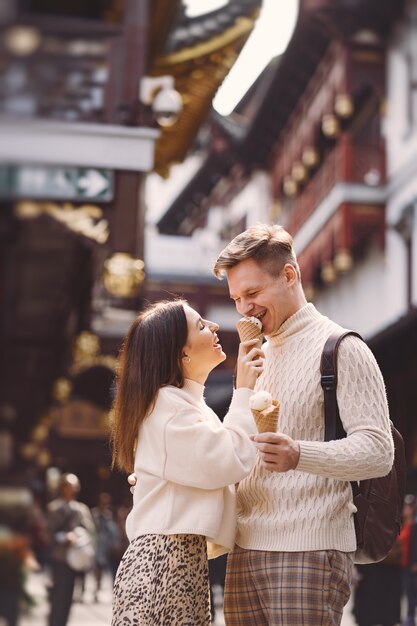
[286, 588]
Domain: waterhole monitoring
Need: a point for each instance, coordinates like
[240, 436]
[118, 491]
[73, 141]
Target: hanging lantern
[299, 172]
[310, 157]
[343, 261]
[328, 273]
[289, 186]
[22, 41]
[343, 105]
[330, 125]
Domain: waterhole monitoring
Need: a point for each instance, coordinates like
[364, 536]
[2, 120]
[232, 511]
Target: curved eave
[163, 15]
[198, 72]
[242, 28]
[190, 31]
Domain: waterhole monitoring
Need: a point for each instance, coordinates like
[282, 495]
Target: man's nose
[245, 307]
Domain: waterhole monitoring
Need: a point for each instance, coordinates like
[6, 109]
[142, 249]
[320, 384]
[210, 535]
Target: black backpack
[379, 501]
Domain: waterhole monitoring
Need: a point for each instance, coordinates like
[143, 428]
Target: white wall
[400, 127]
[254, 201]
[400, 131]
[173, 256]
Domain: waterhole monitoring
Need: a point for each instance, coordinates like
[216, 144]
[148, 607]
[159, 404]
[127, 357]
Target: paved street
[90, 613]
[85, 613]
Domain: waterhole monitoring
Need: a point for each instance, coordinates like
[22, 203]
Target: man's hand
[278, 452]
[132, 480]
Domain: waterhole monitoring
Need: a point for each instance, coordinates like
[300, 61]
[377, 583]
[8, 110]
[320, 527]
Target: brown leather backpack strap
[333, 428]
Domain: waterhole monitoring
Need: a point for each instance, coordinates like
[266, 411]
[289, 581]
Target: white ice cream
[252, 319]
[260, 400]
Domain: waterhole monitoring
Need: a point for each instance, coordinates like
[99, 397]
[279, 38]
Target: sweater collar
[194, 389]
[295, 324]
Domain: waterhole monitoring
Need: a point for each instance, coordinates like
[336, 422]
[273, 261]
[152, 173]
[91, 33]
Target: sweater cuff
[239, 412]
[310, 451]
[240, 398]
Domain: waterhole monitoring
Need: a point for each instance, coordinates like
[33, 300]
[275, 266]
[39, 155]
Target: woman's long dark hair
[150, 358]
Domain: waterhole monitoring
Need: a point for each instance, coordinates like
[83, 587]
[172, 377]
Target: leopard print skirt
[162, 580]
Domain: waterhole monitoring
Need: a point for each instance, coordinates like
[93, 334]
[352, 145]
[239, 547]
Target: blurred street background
[136, 138]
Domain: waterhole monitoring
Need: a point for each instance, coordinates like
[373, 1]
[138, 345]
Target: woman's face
[202, 352]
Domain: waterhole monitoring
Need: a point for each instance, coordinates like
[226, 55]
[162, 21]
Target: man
[65, 516]
[292, 563]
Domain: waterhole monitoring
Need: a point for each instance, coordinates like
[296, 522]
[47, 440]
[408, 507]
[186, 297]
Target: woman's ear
[186, 358]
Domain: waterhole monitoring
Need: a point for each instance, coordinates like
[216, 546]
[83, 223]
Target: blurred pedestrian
[377, 597]
[117, 551]
[38, 531]
[67, 521]
[408, 537]
[108, 539]
[79, 586]
[217, 577]
[186, 461]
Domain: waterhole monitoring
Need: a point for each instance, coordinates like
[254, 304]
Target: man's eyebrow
[244, 291]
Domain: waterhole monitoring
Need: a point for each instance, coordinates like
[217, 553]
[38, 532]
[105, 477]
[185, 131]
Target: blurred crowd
[65, 539]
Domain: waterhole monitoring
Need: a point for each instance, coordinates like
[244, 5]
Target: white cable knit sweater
[310, 508]
[187, 463]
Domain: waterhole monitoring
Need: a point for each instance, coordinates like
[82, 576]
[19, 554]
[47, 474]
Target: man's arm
[368, 449]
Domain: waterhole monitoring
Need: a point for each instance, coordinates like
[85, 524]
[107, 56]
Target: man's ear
[290, 274]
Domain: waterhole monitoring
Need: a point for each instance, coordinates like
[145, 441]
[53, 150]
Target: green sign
[56, 183]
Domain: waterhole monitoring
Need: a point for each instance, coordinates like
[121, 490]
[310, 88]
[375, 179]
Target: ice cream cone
[248, 330]
[267, 420]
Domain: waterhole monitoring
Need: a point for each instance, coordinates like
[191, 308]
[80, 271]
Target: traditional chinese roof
[189, 32]
[199, 53]
[253, 129]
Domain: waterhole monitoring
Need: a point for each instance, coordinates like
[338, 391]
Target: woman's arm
[207, 454]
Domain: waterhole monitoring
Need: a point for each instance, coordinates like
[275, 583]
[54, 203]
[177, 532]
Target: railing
[349, 163]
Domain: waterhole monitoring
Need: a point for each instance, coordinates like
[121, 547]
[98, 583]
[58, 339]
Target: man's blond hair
[270, 246]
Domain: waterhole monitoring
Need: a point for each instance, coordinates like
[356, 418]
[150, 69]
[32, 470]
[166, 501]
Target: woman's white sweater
[310, 508]
[186, 464]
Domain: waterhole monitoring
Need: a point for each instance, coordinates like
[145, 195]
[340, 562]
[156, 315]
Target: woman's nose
[213, 327]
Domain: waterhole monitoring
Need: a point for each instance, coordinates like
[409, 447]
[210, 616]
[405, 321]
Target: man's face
[257, 293]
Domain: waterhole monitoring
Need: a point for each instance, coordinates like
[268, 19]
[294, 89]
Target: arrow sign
[56, 183]
[94, 183]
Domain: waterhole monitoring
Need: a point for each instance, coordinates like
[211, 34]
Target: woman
[186, 462]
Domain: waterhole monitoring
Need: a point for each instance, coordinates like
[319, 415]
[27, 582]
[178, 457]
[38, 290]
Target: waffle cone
[267, 422]
[248, 330]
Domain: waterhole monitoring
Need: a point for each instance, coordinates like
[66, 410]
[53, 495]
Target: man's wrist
[298, 453]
